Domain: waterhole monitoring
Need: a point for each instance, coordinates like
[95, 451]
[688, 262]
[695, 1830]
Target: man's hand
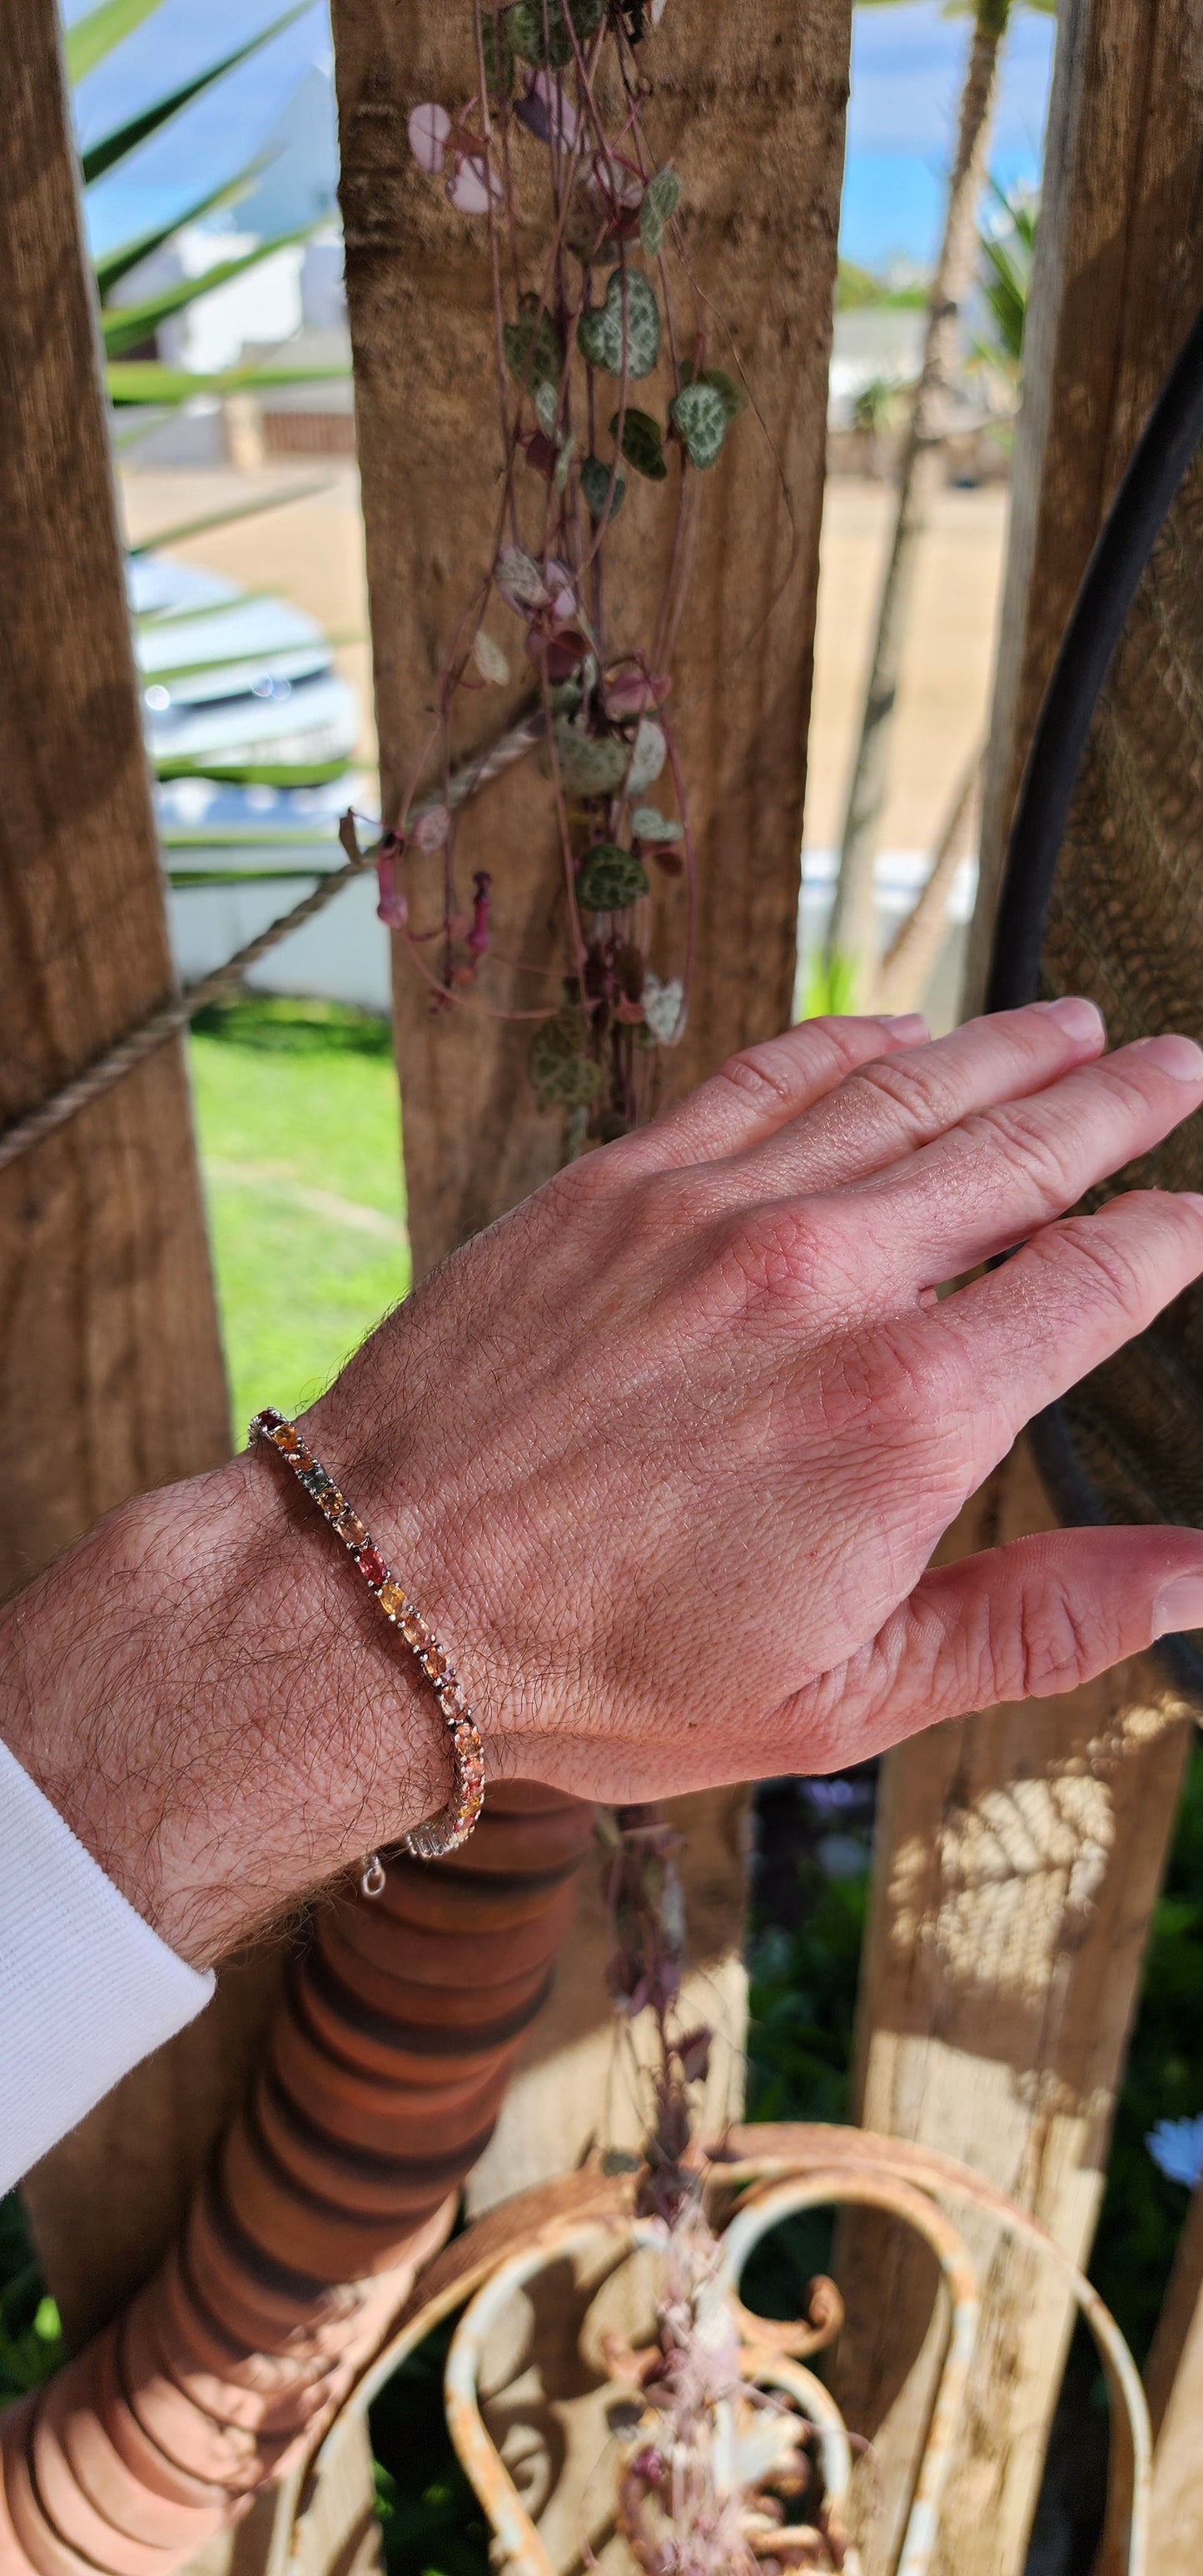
[663, 1456]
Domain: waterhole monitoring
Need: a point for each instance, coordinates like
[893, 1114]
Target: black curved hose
[1125, 542]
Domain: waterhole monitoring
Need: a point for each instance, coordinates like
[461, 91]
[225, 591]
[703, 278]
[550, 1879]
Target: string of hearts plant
[555, 117]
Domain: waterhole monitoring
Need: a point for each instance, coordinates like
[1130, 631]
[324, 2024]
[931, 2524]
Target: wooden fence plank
[1118, 279]
[1174, 2380]
[111, 1375]
[1019, 1855]
[750, 104]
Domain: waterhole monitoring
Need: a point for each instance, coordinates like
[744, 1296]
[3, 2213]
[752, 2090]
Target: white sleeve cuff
[86, 1987]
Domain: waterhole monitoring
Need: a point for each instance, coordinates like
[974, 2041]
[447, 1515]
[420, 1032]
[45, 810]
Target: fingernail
[1079, 1018]
[1179, 1057]
[909, 1026]
[1178, 1605]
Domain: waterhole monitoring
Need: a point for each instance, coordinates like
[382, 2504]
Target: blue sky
[906, 62]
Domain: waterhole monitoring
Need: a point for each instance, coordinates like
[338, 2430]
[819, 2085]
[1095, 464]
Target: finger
[1013, 1167]
[1013, 1341]
[1015, 1623]
[763, 1087]
[896, 1102]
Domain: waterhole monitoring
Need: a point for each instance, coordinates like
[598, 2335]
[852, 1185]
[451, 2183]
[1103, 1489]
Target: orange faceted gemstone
[391, 1598]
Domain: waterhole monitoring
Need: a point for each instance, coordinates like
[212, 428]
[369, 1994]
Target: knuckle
[1018, 1133]
[1052, 1646]
[759, 1075]
[1108, 1264]
[917, 1092]
[778, 1253]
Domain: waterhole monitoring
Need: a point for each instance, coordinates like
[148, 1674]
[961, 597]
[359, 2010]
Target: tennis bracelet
[445, 1832]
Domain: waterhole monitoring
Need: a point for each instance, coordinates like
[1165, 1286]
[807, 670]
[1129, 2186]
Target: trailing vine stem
[580, 325]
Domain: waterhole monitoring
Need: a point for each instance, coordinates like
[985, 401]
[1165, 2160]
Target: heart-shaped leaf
[642, 443]
[660, 201]
[539, 29]
[601, 334]
[733, 394]
[648, 756]
[610, 878]
[590, 764]
[664, 1008]
[595, 488]
[649, 824]
[497, 45]
[532, 346]
[699, 416]
[520, 581]
[563, 1076]
[428, 129]
[489, 659]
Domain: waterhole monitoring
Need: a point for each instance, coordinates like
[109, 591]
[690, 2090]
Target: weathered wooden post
[750, 102]
[1020, 1854]
[112, 1375]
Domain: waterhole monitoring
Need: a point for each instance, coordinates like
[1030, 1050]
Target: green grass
[299, 1130]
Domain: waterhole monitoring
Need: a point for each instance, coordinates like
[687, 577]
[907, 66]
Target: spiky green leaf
[117, 264]
[125, 326]
[175, 536]
[123, 139]
[89, 39]
[146, 381]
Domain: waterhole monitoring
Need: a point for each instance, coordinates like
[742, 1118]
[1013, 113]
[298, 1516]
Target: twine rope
[173, 1017]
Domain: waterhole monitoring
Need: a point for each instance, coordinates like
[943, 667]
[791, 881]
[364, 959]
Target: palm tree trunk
[850, 934]
[900, 981]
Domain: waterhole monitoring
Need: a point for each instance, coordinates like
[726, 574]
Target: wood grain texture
[1117, 281]
[111, 1375]
[1018, 1858]
[750, 104]
[1174, 2381]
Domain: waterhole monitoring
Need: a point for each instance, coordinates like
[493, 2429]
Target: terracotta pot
[381, 2081]
[350, 2103]
[449, 1958]
[73, 2404]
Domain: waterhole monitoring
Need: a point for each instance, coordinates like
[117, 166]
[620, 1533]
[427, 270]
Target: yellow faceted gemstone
[390, 1597]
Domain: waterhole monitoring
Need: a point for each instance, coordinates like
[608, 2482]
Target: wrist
[215, 1707]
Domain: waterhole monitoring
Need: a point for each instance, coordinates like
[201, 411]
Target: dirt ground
[311, 551]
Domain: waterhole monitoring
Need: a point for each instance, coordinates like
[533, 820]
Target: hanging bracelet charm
[445, 1832]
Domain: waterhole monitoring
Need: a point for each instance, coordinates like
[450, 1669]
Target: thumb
[1018, 1622]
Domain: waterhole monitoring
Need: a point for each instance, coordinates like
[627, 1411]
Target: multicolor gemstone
[452, 1826]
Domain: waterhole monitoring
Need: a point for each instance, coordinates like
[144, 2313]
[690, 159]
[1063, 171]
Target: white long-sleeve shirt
[86, 1987]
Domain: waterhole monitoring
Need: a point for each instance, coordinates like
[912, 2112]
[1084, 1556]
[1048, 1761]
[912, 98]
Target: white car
[235, 686]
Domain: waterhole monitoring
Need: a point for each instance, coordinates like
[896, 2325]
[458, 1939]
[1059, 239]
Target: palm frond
[89, 39]
[125, 138]
[222, 518]
[116, 264]
[125, 326]
[148, 381]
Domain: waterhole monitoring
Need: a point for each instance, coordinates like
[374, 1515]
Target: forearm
[218, 1713]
